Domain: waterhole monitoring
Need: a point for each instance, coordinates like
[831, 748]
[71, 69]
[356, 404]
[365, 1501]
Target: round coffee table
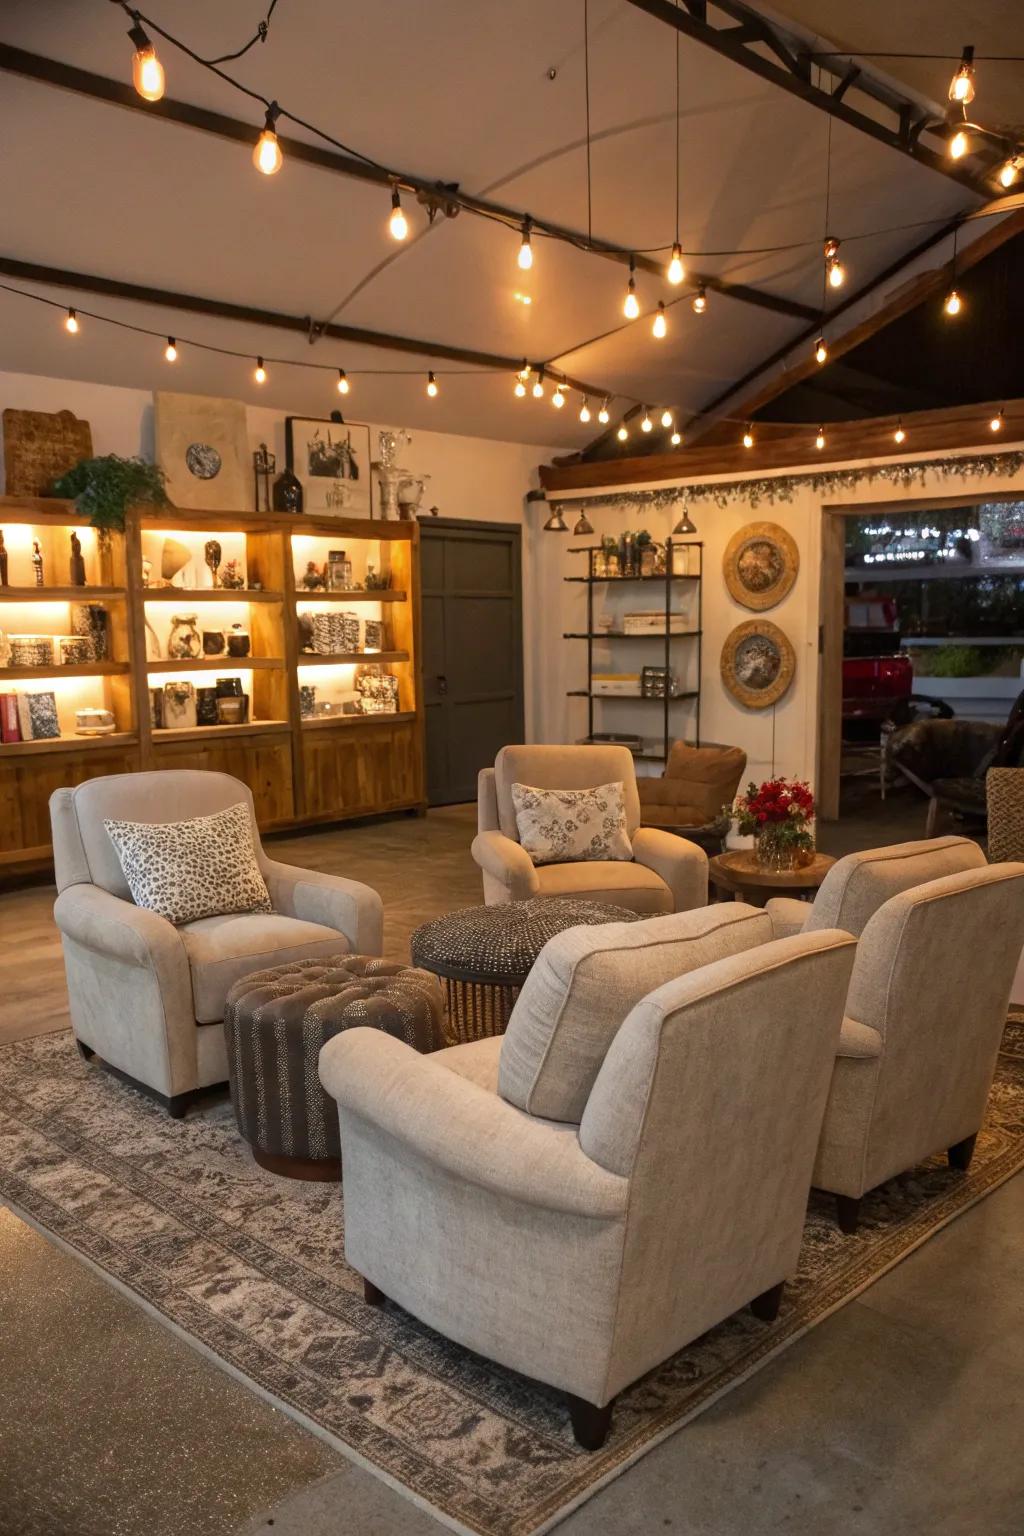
[484, 954]
[739, 875]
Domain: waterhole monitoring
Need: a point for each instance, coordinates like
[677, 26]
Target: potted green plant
[103, 489]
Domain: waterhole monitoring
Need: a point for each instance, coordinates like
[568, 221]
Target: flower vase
[773, 850]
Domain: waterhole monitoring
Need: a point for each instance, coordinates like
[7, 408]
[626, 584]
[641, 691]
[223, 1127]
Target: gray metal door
[471, 583]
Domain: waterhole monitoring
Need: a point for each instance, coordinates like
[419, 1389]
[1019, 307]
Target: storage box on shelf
[213, 602]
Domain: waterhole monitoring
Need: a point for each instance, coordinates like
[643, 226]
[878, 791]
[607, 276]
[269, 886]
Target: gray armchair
[146, 996]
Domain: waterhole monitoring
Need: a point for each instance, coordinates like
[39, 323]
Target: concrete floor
[902, 1414]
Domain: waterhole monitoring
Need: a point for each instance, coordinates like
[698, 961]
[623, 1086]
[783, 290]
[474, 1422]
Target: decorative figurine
[313, 581]
[263, 465]
[232, 579]
[3, 560]
[147, 571]
[288, 494]
[37, 562]
[77, 565]
[212, 553]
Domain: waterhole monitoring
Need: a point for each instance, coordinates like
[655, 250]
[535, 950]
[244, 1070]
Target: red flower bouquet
[778, 813]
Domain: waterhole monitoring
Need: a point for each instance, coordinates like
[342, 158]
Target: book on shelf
[37, 717]
[10, 730]
[616, 684]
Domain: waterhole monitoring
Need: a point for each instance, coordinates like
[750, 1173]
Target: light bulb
[526, 249]
[954, 303]
[899, 435]
[819, 441]
[398, 224]
[660, 326]
[171, 350]
[538, 387]
[147, 72]
[748, 438]
[996, 424]
[676, 439]
[961, 87]
[520, 388]
[431, 385]
[260, 374]
[1009, 172]
[647, 424]
[820, 350]
[603, 415]
[631, 307]
[267, 156]
[584, 410]
[558, 398]
[834, 269]
[959, 144]
[676, 272]
[666, 418]
[700, 301]
[343, 384]
[71, 322]
[622, 433]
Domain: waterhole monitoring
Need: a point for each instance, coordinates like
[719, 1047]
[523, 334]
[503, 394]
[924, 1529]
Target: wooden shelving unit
[301, 771]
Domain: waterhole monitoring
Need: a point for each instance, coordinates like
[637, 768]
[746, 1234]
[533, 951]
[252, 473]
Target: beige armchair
[857, 885]
[149, 997]
[666, 873]
[583, 1255]
[924, 1019]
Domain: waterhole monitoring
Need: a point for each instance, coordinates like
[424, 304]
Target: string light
[431, 386]
[147, 71]
[676, 272]
[584, 410]
[1009, 172]
[260, 373]
[954, 303]
[71, 323]
[834, 269]
[538, 385]
[958, 144]
[819, 441]
[526, 249]
[666, 419]
[558, 398]
[748, 436]
[622, 433]
[520, 389]
[398, 224]
[267, 156]
[660, 326]
[604, 415]
[343, 384]
[700, 301]
[899, 436]
[647, 425]
[676, 439]
[171, 350]
[631, 304]
[820, 350]
[996, 424]
[961, 87]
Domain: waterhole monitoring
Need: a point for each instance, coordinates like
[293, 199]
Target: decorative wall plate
[760, 564]
[758, 663]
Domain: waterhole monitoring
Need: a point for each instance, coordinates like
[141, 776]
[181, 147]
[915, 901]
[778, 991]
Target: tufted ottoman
[484, 954]
[275, 1023]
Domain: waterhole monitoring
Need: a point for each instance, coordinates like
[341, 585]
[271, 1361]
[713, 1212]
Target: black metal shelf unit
[590, 635]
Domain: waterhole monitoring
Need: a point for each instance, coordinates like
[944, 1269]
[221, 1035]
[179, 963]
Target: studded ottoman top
[500, 944]
[342, 991]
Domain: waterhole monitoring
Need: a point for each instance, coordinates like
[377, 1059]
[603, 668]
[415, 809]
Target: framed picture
[760, 564]
[202, 445]
[332, 460]
[758, 663]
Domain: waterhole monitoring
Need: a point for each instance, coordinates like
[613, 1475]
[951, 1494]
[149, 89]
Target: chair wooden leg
[85, 1051]
[590, 1425]
[960, 1155]
[848, 1213]
[372, 1294]
[933, 816]
[766, 1306]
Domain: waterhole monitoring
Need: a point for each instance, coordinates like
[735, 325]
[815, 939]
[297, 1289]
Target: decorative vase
[184, 642]
[773, 850]
[179, 706]
[287, 493]
[214, 642]
[238, 641]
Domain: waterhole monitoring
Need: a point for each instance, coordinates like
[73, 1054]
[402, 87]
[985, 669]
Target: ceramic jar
[239, 643]
[31, 650]
[214, 643]
[184, 642]
[179, 710]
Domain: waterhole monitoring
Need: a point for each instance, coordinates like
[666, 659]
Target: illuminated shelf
[307, 595]
[212, 732]
[321, 722]
[347, 658]
[79, 669]
[208, 595]
[68, 744]
[59, 594]
[217, 664]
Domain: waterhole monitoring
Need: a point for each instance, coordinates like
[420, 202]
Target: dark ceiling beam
[221, 309]
[83, 82]
[790, 69]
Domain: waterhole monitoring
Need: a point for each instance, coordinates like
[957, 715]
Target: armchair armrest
[448, 1121]
[788, 915]
[681, 864]
[507, 862]
[97, 920]
[352, 908]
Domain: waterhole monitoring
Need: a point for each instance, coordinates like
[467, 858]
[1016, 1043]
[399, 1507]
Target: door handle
[442, 683]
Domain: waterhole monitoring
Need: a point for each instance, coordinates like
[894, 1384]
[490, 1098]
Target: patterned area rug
[252, 1267]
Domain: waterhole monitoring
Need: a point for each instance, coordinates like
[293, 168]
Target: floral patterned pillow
[185, 870]
[567, 826]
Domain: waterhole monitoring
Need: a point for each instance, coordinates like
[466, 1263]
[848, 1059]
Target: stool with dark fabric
[275, 1024]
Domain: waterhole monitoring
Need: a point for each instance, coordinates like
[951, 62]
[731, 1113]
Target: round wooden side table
[738, 875]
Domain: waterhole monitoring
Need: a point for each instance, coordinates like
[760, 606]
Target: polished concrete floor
[904, 1413]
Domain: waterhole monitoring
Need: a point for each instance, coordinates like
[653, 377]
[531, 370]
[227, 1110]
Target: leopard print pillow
[565, 826]
[185, 870]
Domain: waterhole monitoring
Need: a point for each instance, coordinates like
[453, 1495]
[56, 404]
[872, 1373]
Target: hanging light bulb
[819, 441]
[1009, 172]
[899, 436]
[834, 269]
[260, 373]
[431, 385]
[267, 156]
[147, 71]
[676, 272]
[558, 398]
[398, 224]
[584, 410]
[171, 350]
[954, 303]
[958, 145]
[820, 350]
[685, 524]
[622, 433]
[700, 301]
[71, 323]
[647, 425]
[343, 384]
[676, 439]
[961, 87]
[604, 415]
[526, 249]
[556, 522]
[748, 436]
[538, 386]
[520, 389]
[666, 418]
[659, 327]
[631, 304]
[583, 525]
[996, 424]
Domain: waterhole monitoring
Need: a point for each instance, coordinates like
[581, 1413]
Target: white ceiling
[452, 91]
